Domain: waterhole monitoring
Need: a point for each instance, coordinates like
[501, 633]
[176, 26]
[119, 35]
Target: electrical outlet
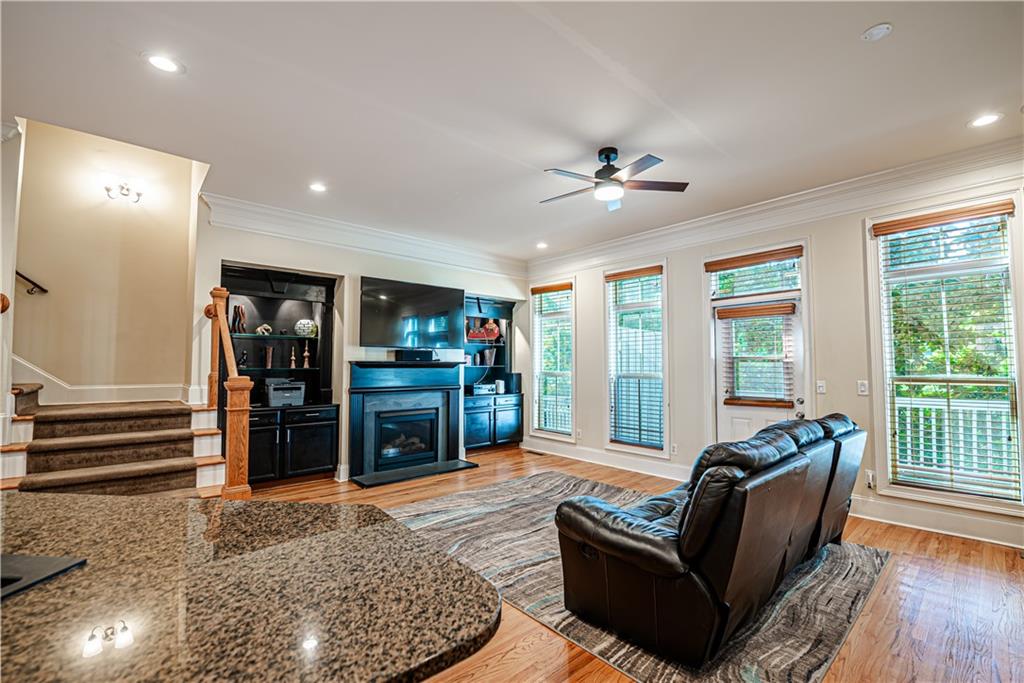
[870, 474]
[675, 449]
[862, 387]
[579, 433]
[819, 386]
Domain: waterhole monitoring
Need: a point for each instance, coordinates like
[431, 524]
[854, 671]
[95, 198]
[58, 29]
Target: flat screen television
[405, 315]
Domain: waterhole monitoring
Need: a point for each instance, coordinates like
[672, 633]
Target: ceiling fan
[610, 182]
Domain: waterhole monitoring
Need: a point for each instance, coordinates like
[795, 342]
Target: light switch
[862, 387]
[819, 386]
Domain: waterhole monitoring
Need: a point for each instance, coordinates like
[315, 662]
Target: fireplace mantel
[382, 393]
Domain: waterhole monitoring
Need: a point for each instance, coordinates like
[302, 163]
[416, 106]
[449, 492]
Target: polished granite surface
[215, 590]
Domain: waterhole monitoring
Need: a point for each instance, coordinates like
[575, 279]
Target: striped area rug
[506, 532]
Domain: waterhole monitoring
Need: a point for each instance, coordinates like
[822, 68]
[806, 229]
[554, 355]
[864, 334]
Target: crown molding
[997, 163]
[237, 214]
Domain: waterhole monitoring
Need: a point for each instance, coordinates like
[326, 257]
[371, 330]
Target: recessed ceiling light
[318, 187]
[985, 120]
[876, 33]
[165, 63]
[542, 245]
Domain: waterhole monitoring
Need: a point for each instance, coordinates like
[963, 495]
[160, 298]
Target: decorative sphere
[305, 328]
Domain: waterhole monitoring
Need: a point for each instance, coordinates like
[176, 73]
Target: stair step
[25, 389]
[122, 479]
[26, 398]
[83, 419]
[99, 450]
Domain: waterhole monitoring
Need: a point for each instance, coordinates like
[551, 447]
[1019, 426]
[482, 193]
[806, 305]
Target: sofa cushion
[763, 450]
[612, 530]
[665, 508]
[803, 432]
[706, 505]
[836, 425]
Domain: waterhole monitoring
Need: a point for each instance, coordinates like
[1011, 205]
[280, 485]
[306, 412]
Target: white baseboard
[206, 445]
[13, 464]
[55, 391]
[209, 475]
[204, 419]
[342, 473]
[21, 431]
[622, 461]
[956, 522]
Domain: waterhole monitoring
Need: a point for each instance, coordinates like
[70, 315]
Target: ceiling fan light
[608, 190]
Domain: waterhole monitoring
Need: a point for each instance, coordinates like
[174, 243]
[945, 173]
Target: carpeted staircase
[108, 448]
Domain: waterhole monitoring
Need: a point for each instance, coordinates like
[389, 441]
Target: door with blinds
[759, 340]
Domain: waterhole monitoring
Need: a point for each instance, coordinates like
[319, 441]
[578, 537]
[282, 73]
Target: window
[767, 271]
[757, 354]
[755, 299]
[635, 380]
[950, 355]
[552, 358]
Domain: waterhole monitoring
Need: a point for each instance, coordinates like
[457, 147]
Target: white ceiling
[436, 120]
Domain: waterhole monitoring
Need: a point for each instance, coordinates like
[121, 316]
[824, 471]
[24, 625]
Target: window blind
[552, 358]
[635, 357]
[950, 354]
[756, 347]
[763, 272]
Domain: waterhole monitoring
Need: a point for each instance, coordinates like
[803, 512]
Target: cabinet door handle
[277, 438]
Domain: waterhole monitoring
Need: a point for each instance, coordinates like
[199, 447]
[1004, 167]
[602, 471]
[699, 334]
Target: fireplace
[403, 420]
[406, 438]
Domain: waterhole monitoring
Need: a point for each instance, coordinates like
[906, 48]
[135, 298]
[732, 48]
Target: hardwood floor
[945, 609]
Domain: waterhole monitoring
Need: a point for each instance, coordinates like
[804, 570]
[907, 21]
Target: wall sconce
[124, 190]
[121, 635]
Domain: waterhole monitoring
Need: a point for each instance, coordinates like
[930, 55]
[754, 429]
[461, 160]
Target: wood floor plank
[945, 608]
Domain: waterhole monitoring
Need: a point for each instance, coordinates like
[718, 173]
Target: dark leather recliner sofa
[679, 573]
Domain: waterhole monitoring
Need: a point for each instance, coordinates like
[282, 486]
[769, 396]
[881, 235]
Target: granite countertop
[215, 590]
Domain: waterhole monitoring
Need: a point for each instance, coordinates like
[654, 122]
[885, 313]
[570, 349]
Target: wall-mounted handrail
[236, 435]
[35, 288]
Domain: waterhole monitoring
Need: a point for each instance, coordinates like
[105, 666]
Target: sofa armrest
[614, 531]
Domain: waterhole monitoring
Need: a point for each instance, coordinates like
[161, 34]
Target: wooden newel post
[211, 380]
[236, 485]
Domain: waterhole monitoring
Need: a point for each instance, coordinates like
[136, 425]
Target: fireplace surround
[403, 420]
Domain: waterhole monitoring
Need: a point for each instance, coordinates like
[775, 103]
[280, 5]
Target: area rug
[507, 533]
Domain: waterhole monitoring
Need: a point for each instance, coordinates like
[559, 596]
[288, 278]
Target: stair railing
[236, 435]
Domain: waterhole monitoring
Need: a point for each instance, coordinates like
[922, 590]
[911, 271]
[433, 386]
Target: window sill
[758, 402]
[552, 436]
[1007, 508]
[616, 447]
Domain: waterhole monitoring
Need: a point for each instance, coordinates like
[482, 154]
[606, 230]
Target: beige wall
[117, 312]
[838, 290]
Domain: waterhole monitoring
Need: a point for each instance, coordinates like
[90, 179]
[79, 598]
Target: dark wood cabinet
[492, 420]
[289, 442]
[310, 448]
[508, 424]
[479, 429]
[264, 457]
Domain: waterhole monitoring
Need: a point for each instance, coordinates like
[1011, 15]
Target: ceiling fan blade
[661, 185]
[614, 205]
[571, 174]
[568, 194]
[637, 167]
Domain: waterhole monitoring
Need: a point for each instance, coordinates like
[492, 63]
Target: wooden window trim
[634, 273]
[558, 287]
[929, 220]
[754, 259]
[758, 402]
[755, 311]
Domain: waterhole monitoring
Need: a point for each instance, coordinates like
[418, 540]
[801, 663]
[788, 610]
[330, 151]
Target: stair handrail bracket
[236, 436]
